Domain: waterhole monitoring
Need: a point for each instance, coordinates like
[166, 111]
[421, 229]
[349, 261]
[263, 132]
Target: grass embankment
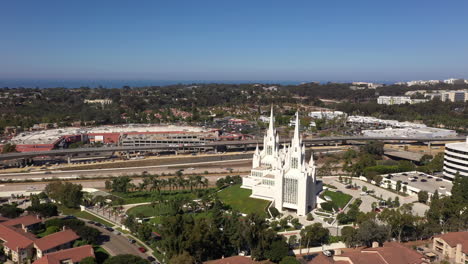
[338, 200]
[84, 215]
[148, 196]
[239, 200]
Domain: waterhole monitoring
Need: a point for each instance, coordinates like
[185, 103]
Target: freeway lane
[307, 141]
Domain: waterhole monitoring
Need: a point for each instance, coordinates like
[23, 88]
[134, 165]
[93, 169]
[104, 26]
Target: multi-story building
[456, 159]
[454, 81]
[283, 175]
[396, 100]
[453, 246]
[455, 96]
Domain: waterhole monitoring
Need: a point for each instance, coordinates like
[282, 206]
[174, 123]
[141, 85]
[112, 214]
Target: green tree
[277, 251]
[423, 197]
[183, 258]
[314, 235]
[369, 231]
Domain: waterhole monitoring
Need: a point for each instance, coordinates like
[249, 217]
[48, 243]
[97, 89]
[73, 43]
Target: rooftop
[15, 238]
[56, 239]
[430, 185]
[454, 238]
[26, 220]
[73, 254]
[50, 136]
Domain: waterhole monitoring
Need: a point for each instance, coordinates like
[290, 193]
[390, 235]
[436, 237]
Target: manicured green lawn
[338, 199]
[239, 200]
[147, 210]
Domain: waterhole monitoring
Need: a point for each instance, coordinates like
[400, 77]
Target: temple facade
[283, 175]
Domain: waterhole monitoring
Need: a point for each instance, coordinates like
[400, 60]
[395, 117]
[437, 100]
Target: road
[117, 244]
[307, 141]
[238, 165]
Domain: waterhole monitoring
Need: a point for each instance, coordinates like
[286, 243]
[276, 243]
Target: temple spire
[296, 138]
[272, 121]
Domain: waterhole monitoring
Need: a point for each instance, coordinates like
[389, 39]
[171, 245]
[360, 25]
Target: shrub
[274, 212]
[310, 217]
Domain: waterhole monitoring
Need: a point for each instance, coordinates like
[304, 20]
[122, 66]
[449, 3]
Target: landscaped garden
[335, 200]
[238, 199]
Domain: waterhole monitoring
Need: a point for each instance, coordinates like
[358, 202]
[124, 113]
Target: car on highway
[142, 249]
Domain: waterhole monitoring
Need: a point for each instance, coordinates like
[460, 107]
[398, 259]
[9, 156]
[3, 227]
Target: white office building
[456, 159]
[283, 176]
[326, 114]
[454, 81]
[396, 100]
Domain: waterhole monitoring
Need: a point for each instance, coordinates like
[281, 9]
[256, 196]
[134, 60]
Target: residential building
[455, 96]
[27, 223]
[389, 253]
[452, 245]
[67, 256]
[283, 175]
[20, 245]
[17, 243]
[55, 242]
[456, 159]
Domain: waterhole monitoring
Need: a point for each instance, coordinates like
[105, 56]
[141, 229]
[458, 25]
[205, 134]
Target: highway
[307, 141]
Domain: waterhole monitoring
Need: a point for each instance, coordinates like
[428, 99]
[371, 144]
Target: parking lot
[367, 200]
[418, 181]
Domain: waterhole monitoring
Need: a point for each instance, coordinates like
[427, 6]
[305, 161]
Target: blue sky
[234, 40]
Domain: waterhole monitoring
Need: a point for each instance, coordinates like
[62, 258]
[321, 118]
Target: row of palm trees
[154, 183]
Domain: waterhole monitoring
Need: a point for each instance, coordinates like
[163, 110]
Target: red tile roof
[455, 238]
[321, 259]
[15, 238]
[395, 253]
[56, 239]
[73, 254]
[26, 220]
[232, 260]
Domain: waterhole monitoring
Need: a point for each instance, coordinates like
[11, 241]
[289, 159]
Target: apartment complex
[21, 246]
[453, 246]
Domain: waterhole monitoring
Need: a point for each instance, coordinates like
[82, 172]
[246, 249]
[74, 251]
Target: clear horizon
[236, 41]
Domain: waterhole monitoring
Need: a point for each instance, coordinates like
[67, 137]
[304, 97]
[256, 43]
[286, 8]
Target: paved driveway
[118, 244]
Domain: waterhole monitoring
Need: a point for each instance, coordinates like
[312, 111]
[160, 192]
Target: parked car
[142, 249]
[116, 232]
[91, 222]
[131, 240]
[69, 217]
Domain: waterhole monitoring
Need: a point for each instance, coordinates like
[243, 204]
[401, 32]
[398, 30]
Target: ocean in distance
[42, 83]
[68, 83]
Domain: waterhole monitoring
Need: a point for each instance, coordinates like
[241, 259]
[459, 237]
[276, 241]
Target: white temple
[283, 175]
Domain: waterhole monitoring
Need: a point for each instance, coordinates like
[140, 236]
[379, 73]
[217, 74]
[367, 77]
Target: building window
[290, 191]
[294, 163]
[269, 150]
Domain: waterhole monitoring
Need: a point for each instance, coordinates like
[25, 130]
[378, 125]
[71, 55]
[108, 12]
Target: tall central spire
[296, 138]
[272, 120]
